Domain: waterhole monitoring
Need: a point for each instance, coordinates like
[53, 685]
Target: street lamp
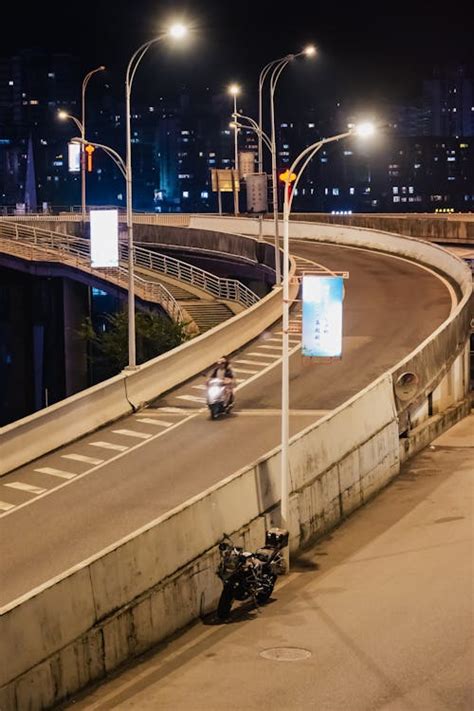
[176, 31]
[83, 121]
[234, 90]
[363, 130]
[275, 69]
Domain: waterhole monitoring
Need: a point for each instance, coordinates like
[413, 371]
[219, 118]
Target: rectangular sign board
[224, 180]
[74, 157]
[104, 238]
[322, 316]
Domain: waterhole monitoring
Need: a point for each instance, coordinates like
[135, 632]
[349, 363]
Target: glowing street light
[177, 31]
[234, 90]
[274, 69]
[297, 169]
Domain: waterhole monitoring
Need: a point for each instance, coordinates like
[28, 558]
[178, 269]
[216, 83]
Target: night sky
[364, 54]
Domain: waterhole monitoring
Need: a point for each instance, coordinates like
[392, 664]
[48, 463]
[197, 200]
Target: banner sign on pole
[74, 157]
[322, 316]
[104, 238]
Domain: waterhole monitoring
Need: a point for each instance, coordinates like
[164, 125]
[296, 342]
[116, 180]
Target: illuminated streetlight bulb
[63, 115]
[178, 31]
[310, 50]
[365, 129]
[234, 89]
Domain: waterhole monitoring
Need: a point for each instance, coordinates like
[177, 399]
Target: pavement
[377, 616]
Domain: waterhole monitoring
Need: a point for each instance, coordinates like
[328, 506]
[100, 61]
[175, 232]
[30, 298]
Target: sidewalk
[377, 616]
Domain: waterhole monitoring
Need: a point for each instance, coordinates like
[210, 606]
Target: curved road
[68, 505]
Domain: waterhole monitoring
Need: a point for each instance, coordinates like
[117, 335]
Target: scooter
[219, 397]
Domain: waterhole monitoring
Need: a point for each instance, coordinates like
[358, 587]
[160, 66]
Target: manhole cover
[285, 654]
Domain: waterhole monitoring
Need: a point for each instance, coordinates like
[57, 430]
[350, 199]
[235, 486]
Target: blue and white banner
[322, 316]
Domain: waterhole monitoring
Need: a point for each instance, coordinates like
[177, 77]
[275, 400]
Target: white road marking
[82, 458]
[272, 348]
[6, 507]
[152, 421]
[192, 398]
[263, 355]
[132, 433]
[26, 487]
[199, 387]
[243, 370]
[171, 410]
[108, 445]
[251, 362]
[55, 472]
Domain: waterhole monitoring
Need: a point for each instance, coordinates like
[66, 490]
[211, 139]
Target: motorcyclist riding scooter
[220, 388]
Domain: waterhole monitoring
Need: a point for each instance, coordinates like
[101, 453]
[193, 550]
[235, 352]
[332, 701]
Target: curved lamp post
[234, 90]
[83, 121]
[177, 31]
[302, 160]
[274, 69]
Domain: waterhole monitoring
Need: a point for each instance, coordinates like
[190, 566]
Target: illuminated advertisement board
[74, 157]
[322, 316]
[104, 238]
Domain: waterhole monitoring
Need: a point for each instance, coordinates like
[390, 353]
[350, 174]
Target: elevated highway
[94, 506]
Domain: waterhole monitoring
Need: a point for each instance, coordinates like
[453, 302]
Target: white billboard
[74, 157]
[104, 238]
[322, 316]
[257, 192]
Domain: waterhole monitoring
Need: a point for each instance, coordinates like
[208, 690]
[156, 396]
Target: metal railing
[36, 244]
[218, 287]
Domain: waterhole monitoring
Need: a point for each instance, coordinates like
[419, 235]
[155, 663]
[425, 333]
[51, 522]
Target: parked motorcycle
[246, 575]
[219, 397]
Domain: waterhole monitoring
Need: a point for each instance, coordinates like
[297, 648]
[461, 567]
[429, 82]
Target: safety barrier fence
[79, 249]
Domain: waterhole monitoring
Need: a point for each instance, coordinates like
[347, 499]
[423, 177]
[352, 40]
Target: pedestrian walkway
[378, 615]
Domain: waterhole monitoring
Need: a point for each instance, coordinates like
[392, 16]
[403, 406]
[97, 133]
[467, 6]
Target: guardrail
[35, 244]
[220, 288]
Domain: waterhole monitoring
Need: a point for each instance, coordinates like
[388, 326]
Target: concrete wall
[83, 624]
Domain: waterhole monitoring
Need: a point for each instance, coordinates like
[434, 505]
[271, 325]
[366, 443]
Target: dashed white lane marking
[55, 472]
[192, 398]
[26, 487]
[244, 370]
[6, 507]
[132, 433]
[171, 410]
[108, 445]
[152, 421]
[251, 362]
[82, 458]
[263, 355]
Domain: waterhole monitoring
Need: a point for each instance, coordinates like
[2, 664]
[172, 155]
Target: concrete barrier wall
[83, 624]
[137, 592]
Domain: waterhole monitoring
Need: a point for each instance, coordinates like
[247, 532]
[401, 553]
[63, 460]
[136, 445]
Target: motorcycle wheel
[225, 603]
[265, 595]
[214, 411]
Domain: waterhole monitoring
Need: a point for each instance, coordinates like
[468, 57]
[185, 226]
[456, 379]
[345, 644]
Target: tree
[155, 334]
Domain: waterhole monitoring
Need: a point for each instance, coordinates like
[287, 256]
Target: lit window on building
[10, 83]
[185, 133]
[351, 191]
[347, 153]
[395, 190]
[185, 193]
[396, 198]
[311, 125]
[335, 191]
[51, 75]
[204, 194]
[283, 125]
[323, 160]
[212, 161]
[451, 159]
[411, 190]
[34, 102]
